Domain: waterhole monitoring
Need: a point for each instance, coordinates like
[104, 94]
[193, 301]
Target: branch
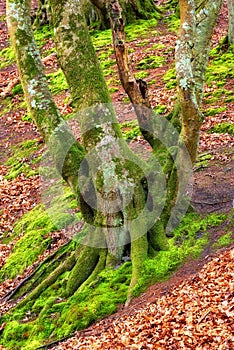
[66, 151]
[136, 89]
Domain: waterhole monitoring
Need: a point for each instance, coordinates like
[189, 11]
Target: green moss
[170, 78]
[27, 118]
[151, 62]
[173, 22]
[113, 89]
[113, 81]
[151, 82]
[158, 46]
[202, 161]
[143, 43]
[140, 29]
[224, 241]
[220, 68]
[159, 109]
[101, 38]
[7, 57]
[103, 55]
[214, 111]
[190, 239]
[34, 227]
[223, 128]
[17, 89]
[53, 317]
[211, 100]
[42, 34]
[130, 130]
[22, 159]
[108, 72]
[141, 75]
[57, 82]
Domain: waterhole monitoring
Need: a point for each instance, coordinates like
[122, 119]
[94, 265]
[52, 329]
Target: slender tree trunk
[231, 21]
[192, 50]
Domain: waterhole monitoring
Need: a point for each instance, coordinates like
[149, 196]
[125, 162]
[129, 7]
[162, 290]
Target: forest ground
[132, 327]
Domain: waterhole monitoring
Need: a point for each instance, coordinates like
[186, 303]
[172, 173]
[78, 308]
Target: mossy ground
[23, 160]
[53, 316]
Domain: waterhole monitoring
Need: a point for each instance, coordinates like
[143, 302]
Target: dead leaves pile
[16, 197]
[197, 314]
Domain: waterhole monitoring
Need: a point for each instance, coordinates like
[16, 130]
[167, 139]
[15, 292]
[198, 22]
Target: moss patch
[42, 34]
[34, 228]
[170, 78]
[214, 111]
[220, 68]
[7, 57]
[57, 82]
[23, 160]
[141, 75]
[223, 128]
[224, 241]
[190, 239]
[151, 62]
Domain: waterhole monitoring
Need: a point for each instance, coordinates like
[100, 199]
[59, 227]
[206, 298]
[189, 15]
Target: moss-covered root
[83, 269]
[101, 264]
[157, 237]
[65, 266]
[139, 251]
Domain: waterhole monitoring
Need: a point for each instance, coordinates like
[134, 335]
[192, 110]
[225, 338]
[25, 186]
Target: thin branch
[137, 90]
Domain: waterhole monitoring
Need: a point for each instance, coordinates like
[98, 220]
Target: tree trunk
[192, 50]
[231, 21]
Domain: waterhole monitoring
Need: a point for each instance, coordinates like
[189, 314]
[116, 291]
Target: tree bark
[191, 56]
[230, 21]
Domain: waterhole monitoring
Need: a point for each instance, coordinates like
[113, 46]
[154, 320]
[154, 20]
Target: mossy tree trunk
[113, 187]
[112, 177]
[191, 57]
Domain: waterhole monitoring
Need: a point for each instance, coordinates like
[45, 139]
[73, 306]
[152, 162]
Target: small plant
[143, 43]
[140, 29]
[173, 22]
[113, 89]
[158, 46]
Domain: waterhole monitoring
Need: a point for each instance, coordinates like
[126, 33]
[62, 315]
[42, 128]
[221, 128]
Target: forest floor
[194, 308]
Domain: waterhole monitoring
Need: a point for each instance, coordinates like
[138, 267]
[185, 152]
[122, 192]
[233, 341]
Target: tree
[121, 197]
[231, 21]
